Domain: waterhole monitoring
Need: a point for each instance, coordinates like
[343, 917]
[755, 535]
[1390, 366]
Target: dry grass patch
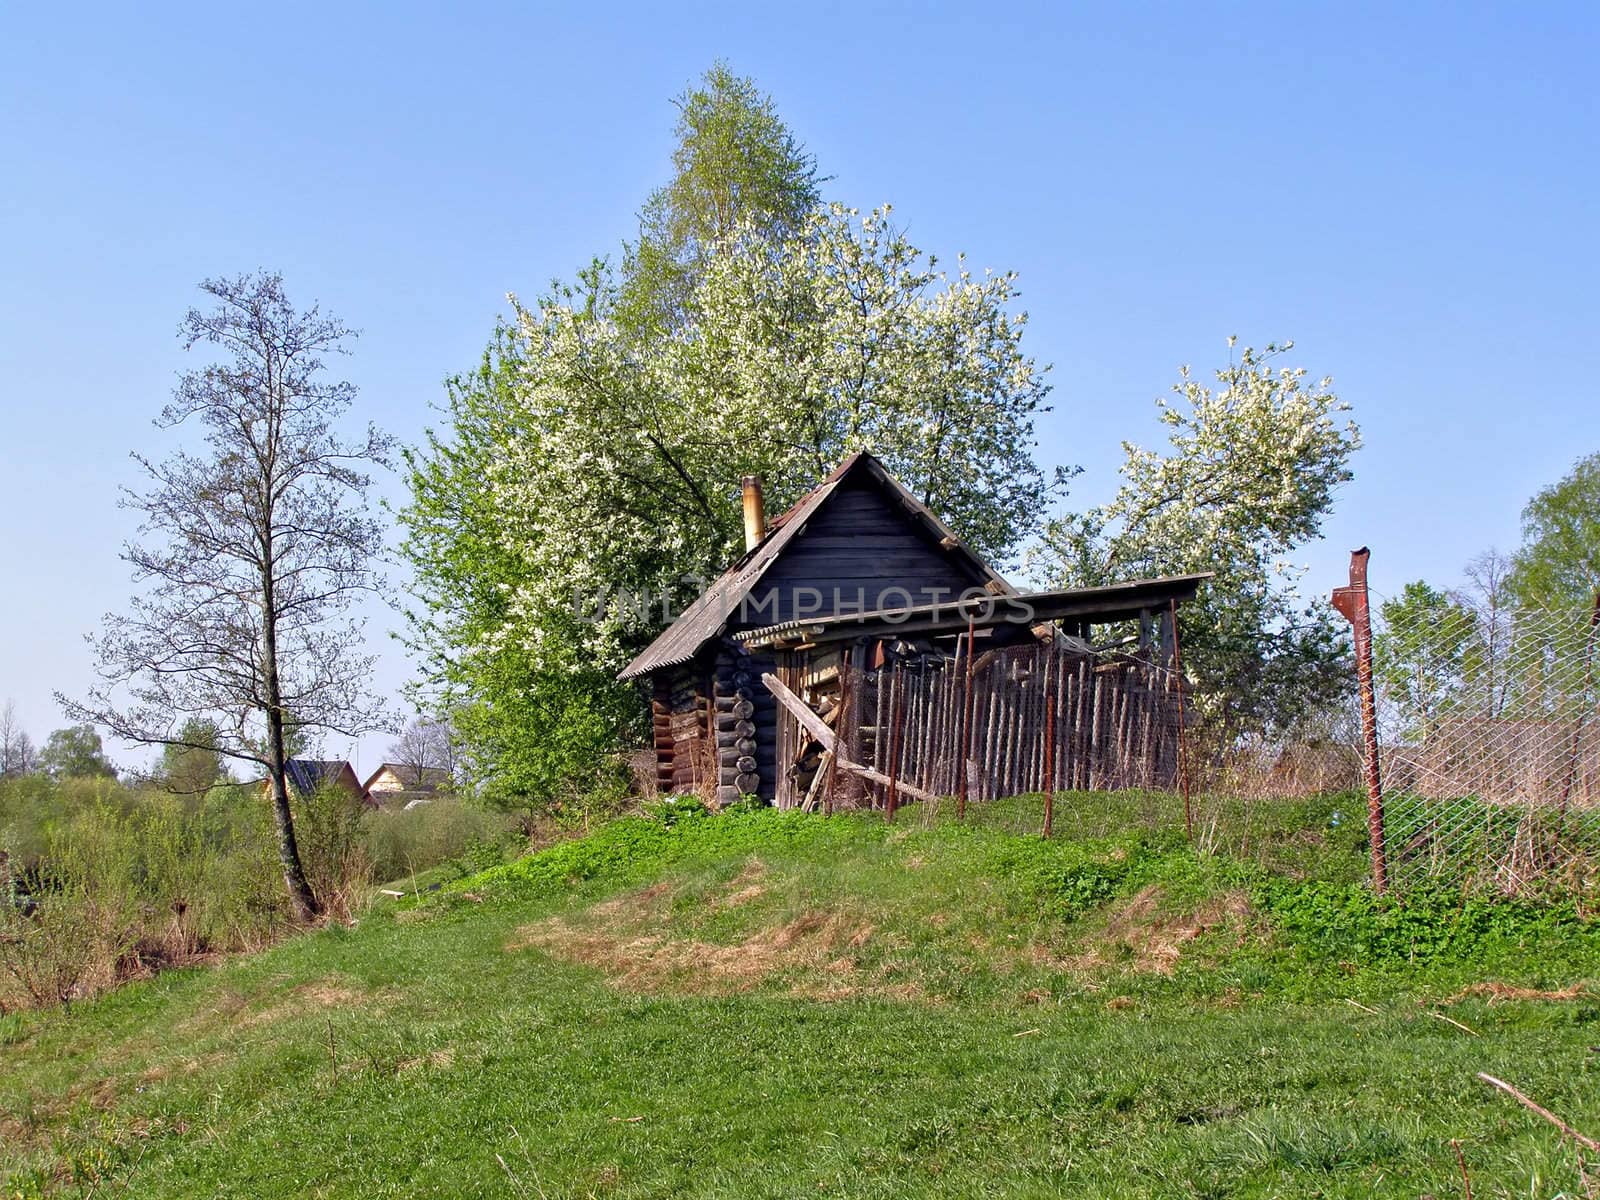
[1157, 939]
[439, 1058]
[815, 943]
[1496, 992]
[322, 994]
[744, 887]
[1142, 935]
[632, 904]
[235, 1009]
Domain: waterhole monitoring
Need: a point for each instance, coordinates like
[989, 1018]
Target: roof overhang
[1096, 606]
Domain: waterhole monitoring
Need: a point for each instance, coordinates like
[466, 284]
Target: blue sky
[1409, 192]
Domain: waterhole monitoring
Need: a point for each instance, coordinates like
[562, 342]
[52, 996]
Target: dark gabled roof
[306, 775]
[1099, 605]
[707, 618]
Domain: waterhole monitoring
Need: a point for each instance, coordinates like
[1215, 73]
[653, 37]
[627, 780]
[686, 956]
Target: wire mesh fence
[1052, 737]
[1486, 717]
[1491, 743]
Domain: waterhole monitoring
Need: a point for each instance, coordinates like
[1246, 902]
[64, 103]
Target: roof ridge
[708, 615]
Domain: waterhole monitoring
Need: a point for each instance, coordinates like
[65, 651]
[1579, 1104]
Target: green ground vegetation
[761, 1004]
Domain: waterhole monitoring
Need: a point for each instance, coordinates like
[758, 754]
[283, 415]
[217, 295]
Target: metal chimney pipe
[755, 517]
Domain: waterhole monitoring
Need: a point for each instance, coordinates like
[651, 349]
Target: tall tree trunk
[294, 875]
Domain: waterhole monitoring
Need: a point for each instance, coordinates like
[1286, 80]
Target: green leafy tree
[75, 752]
[1250, 471]
[738, 171]
[1558, 565]
[193, 765]
[1426, 654]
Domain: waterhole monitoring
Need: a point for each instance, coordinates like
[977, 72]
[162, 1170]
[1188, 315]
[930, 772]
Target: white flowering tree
[587, 467]
[1249, 473]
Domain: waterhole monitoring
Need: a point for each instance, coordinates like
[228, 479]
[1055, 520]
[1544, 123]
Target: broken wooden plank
[879, 777]
[813, 725]
[801, 711]
[819, 781]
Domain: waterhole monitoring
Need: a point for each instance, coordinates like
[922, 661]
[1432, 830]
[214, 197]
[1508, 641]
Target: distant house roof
[708, 617]
[306, 775]
[412, 778]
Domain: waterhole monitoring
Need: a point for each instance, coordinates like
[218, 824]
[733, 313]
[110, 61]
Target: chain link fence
[1490, 737]
[1486, 719]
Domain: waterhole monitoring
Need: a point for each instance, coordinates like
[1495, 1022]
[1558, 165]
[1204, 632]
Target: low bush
[1349, 923]
[634, 848]
[398, 844]
[107, 882]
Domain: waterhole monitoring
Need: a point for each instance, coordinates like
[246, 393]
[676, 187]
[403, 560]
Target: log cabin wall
[681, 719]
[745, 725]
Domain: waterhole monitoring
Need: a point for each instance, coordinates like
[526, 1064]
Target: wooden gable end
[861, 550]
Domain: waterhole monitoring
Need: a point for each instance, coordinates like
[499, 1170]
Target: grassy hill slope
[773, 1004]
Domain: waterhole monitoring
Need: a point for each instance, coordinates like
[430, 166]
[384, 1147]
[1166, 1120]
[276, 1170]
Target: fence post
[1183, 735]
[841, 730]
[897, 699]
[1353, 604]
[1049, 760]
[966, 723]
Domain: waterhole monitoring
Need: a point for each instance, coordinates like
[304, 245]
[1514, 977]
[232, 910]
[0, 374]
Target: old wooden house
[859, 598]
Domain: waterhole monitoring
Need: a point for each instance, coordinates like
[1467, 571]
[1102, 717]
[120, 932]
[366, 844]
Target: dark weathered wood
[988, 689]
[881, 779]
[800, 711]
[1049, 759]
[1096, 759]
[896, 736]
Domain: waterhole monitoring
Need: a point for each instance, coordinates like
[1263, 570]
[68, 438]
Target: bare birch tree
[17, 755]
[251, 554]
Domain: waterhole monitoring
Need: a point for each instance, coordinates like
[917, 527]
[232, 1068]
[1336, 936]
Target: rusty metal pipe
[755, 516]
[1354, 605]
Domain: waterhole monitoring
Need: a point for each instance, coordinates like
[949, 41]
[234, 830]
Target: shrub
[328, 828]
[54, 954]
[402, 843]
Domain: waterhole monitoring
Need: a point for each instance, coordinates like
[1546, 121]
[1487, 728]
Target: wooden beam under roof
[1102, 605]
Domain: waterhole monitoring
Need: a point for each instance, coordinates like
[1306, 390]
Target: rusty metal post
[1049, 760]
[1183, 732]
[1354, 605]
[897, 699]
[966, 726]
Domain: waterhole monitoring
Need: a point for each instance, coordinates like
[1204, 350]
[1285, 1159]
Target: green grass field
[774, 1004]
